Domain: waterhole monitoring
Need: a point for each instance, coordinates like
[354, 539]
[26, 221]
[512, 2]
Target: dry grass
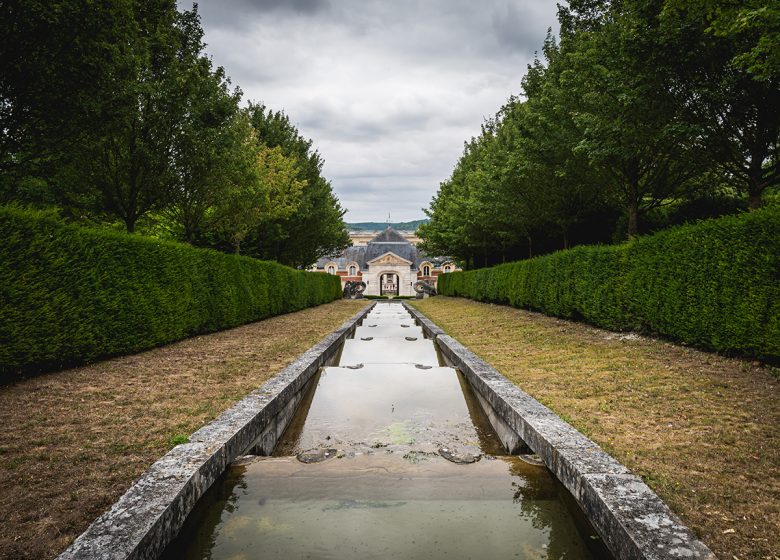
[73, 441]
[701, 429]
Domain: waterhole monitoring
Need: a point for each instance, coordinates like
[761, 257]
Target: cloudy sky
[388, 90]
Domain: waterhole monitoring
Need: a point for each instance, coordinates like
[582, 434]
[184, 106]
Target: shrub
[71, 295]
[714, 284]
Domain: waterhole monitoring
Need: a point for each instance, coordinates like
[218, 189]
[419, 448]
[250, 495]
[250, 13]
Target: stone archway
[389, 284]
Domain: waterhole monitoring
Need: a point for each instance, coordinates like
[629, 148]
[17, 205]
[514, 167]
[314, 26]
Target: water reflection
[388, 491]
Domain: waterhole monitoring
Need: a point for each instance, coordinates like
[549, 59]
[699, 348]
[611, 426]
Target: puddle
[388, 460]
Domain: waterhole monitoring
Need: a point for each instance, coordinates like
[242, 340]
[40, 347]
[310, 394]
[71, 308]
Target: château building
[389, 263]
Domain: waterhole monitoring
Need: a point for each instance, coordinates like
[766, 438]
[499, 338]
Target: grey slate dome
[390, 241]
[389, 236]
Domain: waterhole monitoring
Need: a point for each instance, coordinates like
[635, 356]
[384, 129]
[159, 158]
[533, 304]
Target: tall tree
[729, 84]
[317, 227]
[132, 164]
[566, 189]
[629, 120]
[61, 62]
[214, 151]
[273, 193]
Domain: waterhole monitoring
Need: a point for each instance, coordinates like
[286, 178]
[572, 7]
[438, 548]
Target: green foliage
[178, 440]
[316, 228]
[714, 284]
[113, 113]
[753, 24]
[72, 295]
[638, 106]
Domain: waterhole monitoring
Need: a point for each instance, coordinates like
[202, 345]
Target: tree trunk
[565, 240]
[754, 201]
[633, 220]
[130, 223]
[756, 175]
[530, 247]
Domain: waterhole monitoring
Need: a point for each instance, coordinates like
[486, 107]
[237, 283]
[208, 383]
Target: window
[447, 268]
[352, 270]
[426, 270]
[331, 269]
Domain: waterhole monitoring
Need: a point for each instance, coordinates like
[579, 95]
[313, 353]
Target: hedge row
[70, 294]
[714, 284]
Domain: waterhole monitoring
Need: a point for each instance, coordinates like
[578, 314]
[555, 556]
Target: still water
[389, 456]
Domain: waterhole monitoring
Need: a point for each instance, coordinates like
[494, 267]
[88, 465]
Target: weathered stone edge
[152, 511]
[633, 521]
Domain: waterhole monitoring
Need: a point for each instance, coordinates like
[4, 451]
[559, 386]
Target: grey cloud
[347, 126]
[514, 28]
[301, 6]
[238, 15]
[388, 91]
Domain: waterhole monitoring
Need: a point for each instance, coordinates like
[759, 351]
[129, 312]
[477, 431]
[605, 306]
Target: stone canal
[389, 456]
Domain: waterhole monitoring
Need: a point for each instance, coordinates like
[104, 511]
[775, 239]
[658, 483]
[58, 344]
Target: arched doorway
[388, 284]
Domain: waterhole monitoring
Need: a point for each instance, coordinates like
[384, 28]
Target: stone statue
[353, 290]
[424, 288]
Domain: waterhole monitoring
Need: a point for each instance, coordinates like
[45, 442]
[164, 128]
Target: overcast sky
[387, 90]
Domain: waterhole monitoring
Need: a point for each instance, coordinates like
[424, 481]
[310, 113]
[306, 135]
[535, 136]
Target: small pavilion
[389, 264]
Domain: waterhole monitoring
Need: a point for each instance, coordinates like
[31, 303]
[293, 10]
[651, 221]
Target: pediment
[389, 259]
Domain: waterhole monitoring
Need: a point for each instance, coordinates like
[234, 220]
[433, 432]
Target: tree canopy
[642, 114]
[113, 114]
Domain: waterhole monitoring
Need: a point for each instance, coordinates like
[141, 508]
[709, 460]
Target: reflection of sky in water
[405, 501]
[361, 404]
[388, 330]
[382, 507]
[389, 351]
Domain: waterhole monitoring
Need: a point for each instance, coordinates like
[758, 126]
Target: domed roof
[389, 235]
[390, 241]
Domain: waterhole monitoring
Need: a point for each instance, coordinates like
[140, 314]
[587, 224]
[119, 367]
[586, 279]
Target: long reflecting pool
[389, 456]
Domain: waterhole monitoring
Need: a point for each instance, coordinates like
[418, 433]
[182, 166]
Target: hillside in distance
[374, 226]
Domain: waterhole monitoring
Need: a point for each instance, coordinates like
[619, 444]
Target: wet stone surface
[531, 459]
[316, 455]
[459, 457]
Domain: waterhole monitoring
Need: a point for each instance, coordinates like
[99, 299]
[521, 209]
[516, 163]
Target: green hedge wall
[713, 284]
[70, 295]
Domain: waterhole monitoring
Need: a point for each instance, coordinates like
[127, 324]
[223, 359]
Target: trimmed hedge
[71, 295]
[713, 284]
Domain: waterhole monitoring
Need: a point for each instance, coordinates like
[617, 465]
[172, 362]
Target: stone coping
[152, 511]
[629, 516]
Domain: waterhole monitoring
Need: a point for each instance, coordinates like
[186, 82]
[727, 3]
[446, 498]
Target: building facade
[389, 263]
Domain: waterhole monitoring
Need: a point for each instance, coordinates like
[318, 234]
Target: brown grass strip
[701, 429]
[73, 441]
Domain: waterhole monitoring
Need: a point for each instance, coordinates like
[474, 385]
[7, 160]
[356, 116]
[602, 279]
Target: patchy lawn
[73, 441]
[702, 430]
